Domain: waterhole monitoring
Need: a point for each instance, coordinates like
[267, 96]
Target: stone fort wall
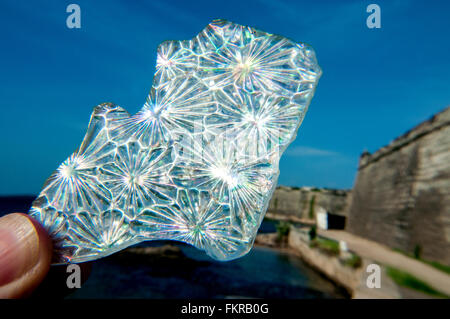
[401, 195]
[304, 202]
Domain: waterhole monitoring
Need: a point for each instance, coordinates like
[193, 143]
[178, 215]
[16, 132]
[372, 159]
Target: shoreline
[268, 240]
[293, 252]
[353, 278]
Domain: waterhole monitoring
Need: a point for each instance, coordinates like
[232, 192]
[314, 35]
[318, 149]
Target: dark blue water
[15, 204]
[263, 273]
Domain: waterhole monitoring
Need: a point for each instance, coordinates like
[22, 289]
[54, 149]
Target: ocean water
[190, 273]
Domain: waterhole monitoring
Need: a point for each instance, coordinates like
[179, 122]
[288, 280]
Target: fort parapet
[401, 195]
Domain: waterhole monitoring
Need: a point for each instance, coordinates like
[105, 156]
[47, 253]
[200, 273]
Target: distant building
[401, 196]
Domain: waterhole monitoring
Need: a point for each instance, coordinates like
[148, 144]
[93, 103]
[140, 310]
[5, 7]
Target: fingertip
[25, 255]
[45, 242]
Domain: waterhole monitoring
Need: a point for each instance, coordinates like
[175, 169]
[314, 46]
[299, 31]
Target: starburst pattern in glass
[198, 163]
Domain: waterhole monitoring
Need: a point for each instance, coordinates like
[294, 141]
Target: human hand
[25, 255]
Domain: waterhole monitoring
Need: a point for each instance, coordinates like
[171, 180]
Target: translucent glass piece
[198, 163]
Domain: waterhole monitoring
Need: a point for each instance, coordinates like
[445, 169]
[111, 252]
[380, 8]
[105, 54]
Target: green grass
[354, 261]
[331, 247]
[434, 264]
[407, 280]
[328, 246]
[437, 265]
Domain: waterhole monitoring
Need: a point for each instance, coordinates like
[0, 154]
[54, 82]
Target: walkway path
[439, 280]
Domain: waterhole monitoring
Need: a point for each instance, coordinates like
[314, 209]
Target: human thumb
[25, 255]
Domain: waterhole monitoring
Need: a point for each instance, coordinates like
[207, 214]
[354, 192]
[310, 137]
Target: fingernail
[19, 247]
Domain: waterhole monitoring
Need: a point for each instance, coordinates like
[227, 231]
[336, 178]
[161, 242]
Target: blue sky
[376, 83]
